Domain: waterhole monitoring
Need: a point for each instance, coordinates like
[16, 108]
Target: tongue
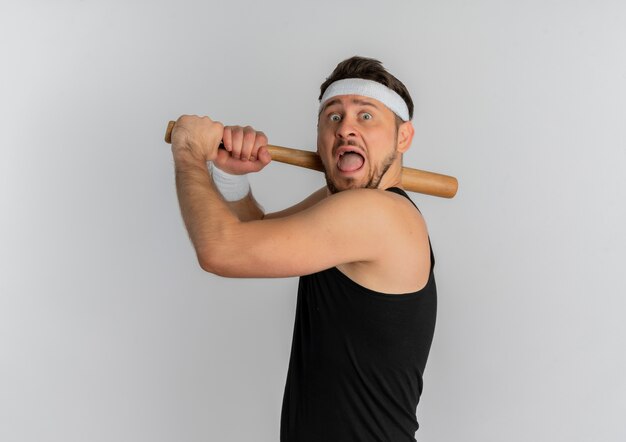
[349, 162]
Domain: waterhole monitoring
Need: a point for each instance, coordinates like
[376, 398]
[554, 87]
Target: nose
[346, 129]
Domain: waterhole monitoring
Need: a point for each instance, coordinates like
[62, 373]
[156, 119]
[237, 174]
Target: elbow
[221, 254]
[205, 264]
[209, 263]
[213, 261]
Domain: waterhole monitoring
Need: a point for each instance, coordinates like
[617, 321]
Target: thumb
[264, 155]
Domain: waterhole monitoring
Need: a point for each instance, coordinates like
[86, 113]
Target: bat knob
[168, 132]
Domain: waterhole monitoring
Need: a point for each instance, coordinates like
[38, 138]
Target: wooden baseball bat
[415, 180]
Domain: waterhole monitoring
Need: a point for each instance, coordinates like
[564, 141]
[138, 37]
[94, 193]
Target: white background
[110, 331]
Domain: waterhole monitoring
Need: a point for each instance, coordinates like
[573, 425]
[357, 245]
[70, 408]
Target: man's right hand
[245, 151]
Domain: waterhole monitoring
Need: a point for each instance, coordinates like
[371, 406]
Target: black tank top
[357, 360]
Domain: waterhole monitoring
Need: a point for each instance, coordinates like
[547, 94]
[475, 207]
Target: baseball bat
[415, 180]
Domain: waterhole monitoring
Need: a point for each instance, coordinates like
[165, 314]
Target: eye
[366, 116]
[334, 117]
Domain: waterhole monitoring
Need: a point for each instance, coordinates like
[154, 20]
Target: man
[366, 304]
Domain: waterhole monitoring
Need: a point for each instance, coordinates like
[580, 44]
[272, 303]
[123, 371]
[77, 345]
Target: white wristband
[232, 187]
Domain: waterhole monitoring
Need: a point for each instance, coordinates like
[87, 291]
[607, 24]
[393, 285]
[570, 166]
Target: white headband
[367, 88]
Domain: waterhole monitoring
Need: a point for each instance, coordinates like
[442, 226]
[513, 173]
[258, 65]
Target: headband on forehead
[367, 88]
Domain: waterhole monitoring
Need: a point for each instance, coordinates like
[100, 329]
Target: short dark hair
[368, 69]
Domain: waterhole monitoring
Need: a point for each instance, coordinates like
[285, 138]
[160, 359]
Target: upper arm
[248, 209]
[343, 228]
[309, 201]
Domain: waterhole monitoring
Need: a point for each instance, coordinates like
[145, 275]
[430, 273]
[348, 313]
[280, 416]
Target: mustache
[341, 143]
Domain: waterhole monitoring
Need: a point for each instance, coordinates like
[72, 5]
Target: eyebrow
[354, 101]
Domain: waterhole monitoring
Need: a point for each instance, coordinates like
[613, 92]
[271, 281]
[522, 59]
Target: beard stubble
[375, 178]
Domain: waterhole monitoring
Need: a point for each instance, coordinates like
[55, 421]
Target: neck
[393, 176]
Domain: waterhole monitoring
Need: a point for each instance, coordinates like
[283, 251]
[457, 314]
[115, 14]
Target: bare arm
[248, 209]
[309, 201]
[196, 190]
[339, 229]
[199, 200]
[288, 246]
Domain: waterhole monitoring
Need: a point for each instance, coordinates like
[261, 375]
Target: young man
[366, 304]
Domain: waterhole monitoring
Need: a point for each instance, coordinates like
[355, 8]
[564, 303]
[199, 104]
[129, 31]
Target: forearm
[247, 209]
[235, 189]
[205, 214]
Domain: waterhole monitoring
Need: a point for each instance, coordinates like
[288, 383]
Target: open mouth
[350, 160]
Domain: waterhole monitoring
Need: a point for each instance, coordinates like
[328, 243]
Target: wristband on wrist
[232, 187]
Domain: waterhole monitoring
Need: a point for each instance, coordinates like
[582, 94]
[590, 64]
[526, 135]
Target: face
[357, 140]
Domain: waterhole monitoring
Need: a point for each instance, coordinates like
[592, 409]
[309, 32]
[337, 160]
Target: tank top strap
[399, 191]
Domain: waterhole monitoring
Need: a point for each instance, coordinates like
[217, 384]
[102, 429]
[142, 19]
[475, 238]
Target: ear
[405, 136]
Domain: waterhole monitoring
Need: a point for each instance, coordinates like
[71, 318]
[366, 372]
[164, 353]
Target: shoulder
[365, 200]
[401, 255]
[370, 213]
[375, 204]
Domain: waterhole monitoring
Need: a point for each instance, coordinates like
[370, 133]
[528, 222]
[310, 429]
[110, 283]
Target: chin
[341, 184]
